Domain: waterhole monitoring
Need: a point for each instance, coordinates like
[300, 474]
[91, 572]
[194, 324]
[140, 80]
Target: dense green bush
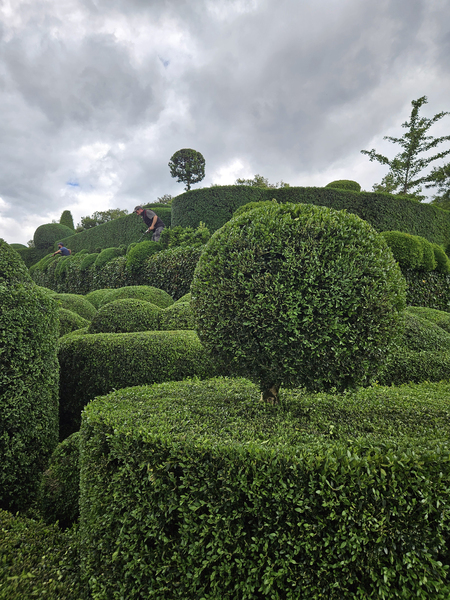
[139, 292]
[184, 236]
[429, 262]
[77, 304]
[173, 270]
[430, 289]
[406, 248]
[88, 260]
[215, 206]
[38, 561]
[125, 316]
[177, 316]
[186, 298]
[70, 321]
[345, 184]
[442, 260]
[251, 205]
[298, 295]
[60, 485]
[105, 256]
[67, 219]
[409, 366]
[96, 296]
[47, 235]
[196, 490]
[139, 253]
[28, 381]
[92, 365]
[31, 256]
[439, 317]
[420, 333]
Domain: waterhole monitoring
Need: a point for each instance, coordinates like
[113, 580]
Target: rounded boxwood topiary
[106, 255]
[137, 255]
[28, 381]
[406, 248]
[185, 298]
[298, 295]
[125, 316]
[88, 260]
[439, 317]
[429, 262]
[60, 485]
[177, 316]
[251, 205]
[422, 334]
[45, 236]
[345, 184]
[96, 296]
[141, 292]
[442, 260]
[77, 304]
[70, 321]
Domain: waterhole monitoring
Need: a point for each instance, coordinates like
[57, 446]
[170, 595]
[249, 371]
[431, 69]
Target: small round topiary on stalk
[298, 295]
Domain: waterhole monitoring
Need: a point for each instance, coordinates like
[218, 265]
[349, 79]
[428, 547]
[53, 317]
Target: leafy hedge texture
[140, 292]
[28, 381]
[93, 365]
[196, 490]
[70, 321]
[298, 295]
[76, 303]
[215, 206]
[47, 235]
[345, 184]
[125, 316]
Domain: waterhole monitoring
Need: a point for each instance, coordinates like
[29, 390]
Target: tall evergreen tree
[188, 166]
[406, 169]
[67, 219]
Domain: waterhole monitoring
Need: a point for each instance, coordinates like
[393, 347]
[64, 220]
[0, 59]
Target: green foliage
[421, 333]
[47, 235]
[184, 236]
[67, 219]
[125, 316]
[139, 253]
[406, 168]
[177, 316]
[96, 296]
[430, 289]
[186, 298]
[442, 260]
[215, 206]
[172, 270]
[298, 295]
[251, 205]
[88, 260]
[77, 304]
[92, 365]
[407, 249]
[70, 321]
[38, 561]
[140, 292]
[439, 317]
[260, 182]
[101, 217]
[188, 166]
[196, 490]
[105, 256]
[18, 246]
[28, 381]
[30, 256]
[60, 486]
[345, 184]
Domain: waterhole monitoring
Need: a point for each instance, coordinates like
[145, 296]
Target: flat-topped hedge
[94, 364]
[215, 206]
[198, 490]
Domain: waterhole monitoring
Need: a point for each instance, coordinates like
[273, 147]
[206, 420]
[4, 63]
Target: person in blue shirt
[62, 250]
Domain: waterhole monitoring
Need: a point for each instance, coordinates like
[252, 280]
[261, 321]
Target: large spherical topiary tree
[29, 375]
[298, 295]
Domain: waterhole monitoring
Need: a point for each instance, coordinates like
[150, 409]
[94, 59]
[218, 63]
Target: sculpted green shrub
[60, 485]
[45, 236]
[139, 253]
[70, 321]
[106, 256]
[96, 296]
[77, 304]
[421, 333]
[88, 260]
[439, 317]
[442, 260]
[251, 205]
[172, 270]
[172, 237]
[140, 292]
[177, 316]
[298, 295]
[406, 248]
[124, 316]
[345, 184]
[429, 262]
[28, 381]
[185, 298]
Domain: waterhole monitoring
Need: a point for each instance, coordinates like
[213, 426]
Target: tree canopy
[188, 166]
[260, 182]
[100, 217]
[406, 169]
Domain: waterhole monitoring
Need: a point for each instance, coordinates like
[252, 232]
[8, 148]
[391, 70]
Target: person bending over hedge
[62, 250]
[153, 222]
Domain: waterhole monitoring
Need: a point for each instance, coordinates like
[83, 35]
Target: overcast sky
[97, 95]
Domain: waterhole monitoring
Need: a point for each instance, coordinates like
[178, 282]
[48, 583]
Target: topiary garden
[190, 486]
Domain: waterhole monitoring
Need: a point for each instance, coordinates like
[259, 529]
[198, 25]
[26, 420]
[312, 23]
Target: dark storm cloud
[101, 93]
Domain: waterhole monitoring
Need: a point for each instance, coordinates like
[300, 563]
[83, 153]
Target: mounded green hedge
[177, 316]
[38, 561]
[77, 304]
[215, 206]
[421, 333]
[70, 321]
[28, 381]
[125, 316]
[106, 256]
[173, 270]
[197, 490]
[140, 292]
[430, 289]
[439, 317]
[47, 235]
[298, 295]
[93, 365]
[345, 184]
[60, 485]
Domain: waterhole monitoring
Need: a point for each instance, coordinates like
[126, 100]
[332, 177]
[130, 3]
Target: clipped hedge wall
[38, 561]
[47, 235]
[28, 381]
[92, 365]
[173, 270]
[123, 230]
[60, 485]
[430, 289]
[197, 490]
[215, 206]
